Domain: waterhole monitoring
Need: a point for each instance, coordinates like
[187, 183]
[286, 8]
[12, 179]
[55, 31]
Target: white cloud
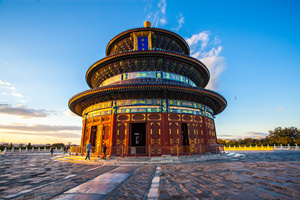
[56, 135]
[202, 36]
[226, 137]
[180, 22]
[159, 16]
[254, 134]
[8, 90]
[199, 43]
[15, 94]
[163, 21]
[215, 66]
[4, 83]
[39, 128]
[280, 108]
[69, 113]
[162, 5]
[23, 111]
[38, 133]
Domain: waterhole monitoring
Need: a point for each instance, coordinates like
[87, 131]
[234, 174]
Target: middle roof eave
[137, 54]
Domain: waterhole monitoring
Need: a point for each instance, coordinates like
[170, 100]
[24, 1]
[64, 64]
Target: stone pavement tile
[111, 177]
[163, 194]
[101, 188]
[258, 176]
[80, 197]
[57, 187]
[136, 185]
[104, 183]
[79, 189]
[233, 183]
[27, 171]
[124, 169]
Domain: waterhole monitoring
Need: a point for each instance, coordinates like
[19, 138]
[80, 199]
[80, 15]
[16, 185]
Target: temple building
[147, 97]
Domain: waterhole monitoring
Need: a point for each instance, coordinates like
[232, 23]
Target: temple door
[155, 138]
[122, 138]
[174, 136]
[192, 137]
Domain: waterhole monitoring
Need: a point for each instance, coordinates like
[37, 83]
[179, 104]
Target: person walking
[104, 151]
[51, 151]
[88, 149]
[65, 150]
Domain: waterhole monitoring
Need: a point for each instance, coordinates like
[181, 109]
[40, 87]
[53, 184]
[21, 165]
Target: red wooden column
[205, 133]
[165, 133]
[113, 128]
[83, 132]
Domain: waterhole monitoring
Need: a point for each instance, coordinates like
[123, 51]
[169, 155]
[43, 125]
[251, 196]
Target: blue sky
[252, 49]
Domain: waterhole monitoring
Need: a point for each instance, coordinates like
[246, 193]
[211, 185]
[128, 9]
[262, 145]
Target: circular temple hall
[147, 98]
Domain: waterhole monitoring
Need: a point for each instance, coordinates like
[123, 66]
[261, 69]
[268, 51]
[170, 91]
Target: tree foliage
[284, 136]
[278, 136]
[29, 146]
[58, 145]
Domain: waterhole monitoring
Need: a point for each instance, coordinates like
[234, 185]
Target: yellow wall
[249, 148]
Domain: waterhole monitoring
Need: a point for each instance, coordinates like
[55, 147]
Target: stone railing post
[26, 149]
[281, 147]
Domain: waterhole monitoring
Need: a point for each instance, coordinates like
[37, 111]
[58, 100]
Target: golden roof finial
[147, 24]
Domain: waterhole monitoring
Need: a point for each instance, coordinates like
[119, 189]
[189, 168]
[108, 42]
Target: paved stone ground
[257, 175]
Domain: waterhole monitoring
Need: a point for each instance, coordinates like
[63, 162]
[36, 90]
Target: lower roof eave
[212, 99]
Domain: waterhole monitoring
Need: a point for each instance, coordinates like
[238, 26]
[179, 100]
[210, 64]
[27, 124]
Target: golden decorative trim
[135, 35]
[132, 116]
[128, 117]
[156, 141]
[174, 140]
[178, 115]
[148, 115]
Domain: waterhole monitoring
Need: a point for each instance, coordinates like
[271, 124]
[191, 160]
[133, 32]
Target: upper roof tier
[136, 61]
[155, 38]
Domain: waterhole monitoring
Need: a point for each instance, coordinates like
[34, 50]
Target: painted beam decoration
[148, 74]
[147, 98]
[148, 106]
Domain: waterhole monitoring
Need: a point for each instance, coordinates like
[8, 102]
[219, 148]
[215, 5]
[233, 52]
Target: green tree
[29, 146]
[10, 146]
[220, 141]
[232, 143]
[284, 136]
[58, 145]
